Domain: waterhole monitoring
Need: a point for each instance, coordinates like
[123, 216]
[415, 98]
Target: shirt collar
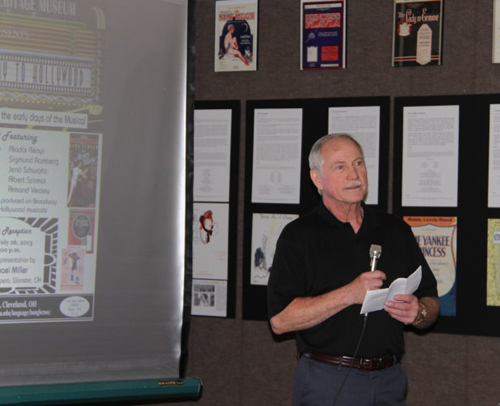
[369, 218]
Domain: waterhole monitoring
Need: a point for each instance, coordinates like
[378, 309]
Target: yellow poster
[492, 284]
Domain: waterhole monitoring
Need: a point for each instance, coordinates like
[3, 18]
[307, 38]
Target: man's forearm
[306, 312]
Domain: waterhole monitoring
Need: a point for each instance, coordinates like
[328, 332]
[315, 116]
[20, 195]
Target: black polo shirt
[318, 253]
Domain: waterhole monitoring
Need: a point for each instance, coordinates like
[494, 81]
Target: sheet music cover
[323, 34]
[417, 37]
[437, 238]
[236, 35]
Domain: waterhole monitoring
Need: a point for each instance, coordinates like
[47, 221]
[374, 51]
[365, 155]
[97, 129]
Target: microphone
[375, 252]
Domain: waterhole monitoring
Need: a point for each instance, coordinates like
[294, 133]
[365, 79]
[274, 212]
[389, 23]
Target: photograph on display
[236, 35]
[209, 298]
[437, 238]
[417, 37]
[266, 228]
[493, 263]
[323, 34]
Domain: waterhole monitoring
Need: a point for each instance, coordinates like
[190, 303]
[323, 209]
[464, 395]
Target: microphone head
[375, 251]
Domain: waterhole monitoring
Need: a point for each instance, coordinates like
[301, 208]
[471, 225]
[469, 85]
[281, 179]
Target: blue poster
[323, 34]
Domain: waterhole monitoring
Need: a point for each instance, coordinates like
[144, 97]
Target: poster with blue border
[323, 35]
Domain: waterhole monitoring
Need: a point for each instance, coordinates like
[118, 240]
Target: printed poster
[323, 34]
[417, 37]
[51, 85]
[437, 238]
[236, 35]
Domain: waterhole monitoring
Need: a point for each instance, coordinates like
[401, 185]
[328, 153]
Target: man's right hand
[364, 282]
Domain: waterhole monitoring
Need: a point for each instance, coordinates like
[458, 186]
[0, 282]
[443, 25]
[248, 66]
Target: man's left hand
[405, 309]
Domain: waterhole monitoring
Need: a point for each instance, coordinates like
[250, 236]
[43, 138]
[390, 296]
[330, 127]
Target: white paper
[375, 299]
[362, 123]
[277, 156]
[212, 155]
[210, 240]
[494, 157]
[430, 156]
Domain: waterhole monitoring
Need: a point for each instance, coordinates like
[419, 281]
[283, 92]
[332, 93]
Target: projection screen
[93, 150]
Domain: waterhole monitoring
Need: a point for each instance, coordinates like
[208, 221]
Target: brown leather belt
[364, 364]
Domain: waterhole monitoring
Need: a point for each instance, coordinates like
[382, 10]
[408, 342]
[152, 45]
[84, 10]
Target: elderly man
[319, 278]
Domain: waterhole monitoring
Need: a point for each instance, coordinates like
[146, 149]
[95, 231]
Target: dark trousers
[318, 384]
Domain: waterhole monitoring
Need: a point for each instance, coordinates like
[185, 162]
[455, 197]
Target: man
[319, 279]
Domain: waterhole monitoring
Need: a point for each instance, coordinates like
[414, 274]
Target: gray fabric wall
[240, 362]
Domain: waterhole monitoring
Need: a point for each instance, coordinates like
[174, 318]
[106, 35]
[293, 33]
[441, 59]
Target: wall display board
[460, 238]
[215, 194]
[94, 191]
[264, 220]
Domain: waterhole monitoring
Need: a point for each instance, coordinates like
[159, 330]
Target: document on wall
[212, 155]
[494, 157]
[375, 299]
[277, 156]
[430, 156]
[363, 123]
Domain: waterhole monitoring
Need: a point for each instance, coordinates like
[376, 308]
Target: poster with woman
[236, 35]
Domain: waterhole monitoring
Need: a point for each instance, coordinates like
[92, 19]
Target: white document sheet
[363, 123]
[375, 299]
[276, 156]
[430, 156]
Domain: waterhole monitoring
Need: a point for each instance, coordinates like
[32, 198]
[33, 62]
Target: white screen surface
[92, 169]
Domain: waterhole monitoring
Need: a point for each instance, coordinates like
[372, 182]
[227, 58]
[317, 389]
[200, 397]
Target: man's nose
[353, 173]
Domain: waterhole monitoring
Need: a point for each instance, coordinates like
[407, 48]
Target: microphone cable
[352, 361]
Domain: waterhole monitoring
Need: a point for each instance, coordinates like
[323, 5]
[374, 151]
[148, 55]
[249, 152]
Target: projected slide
[50, 159]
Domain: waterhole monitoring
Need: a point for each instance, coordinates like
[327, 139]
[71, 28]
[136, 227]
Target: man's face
[344, 176]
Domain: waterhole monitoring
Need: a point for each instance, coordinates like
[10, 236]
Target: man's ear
[316, 178]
